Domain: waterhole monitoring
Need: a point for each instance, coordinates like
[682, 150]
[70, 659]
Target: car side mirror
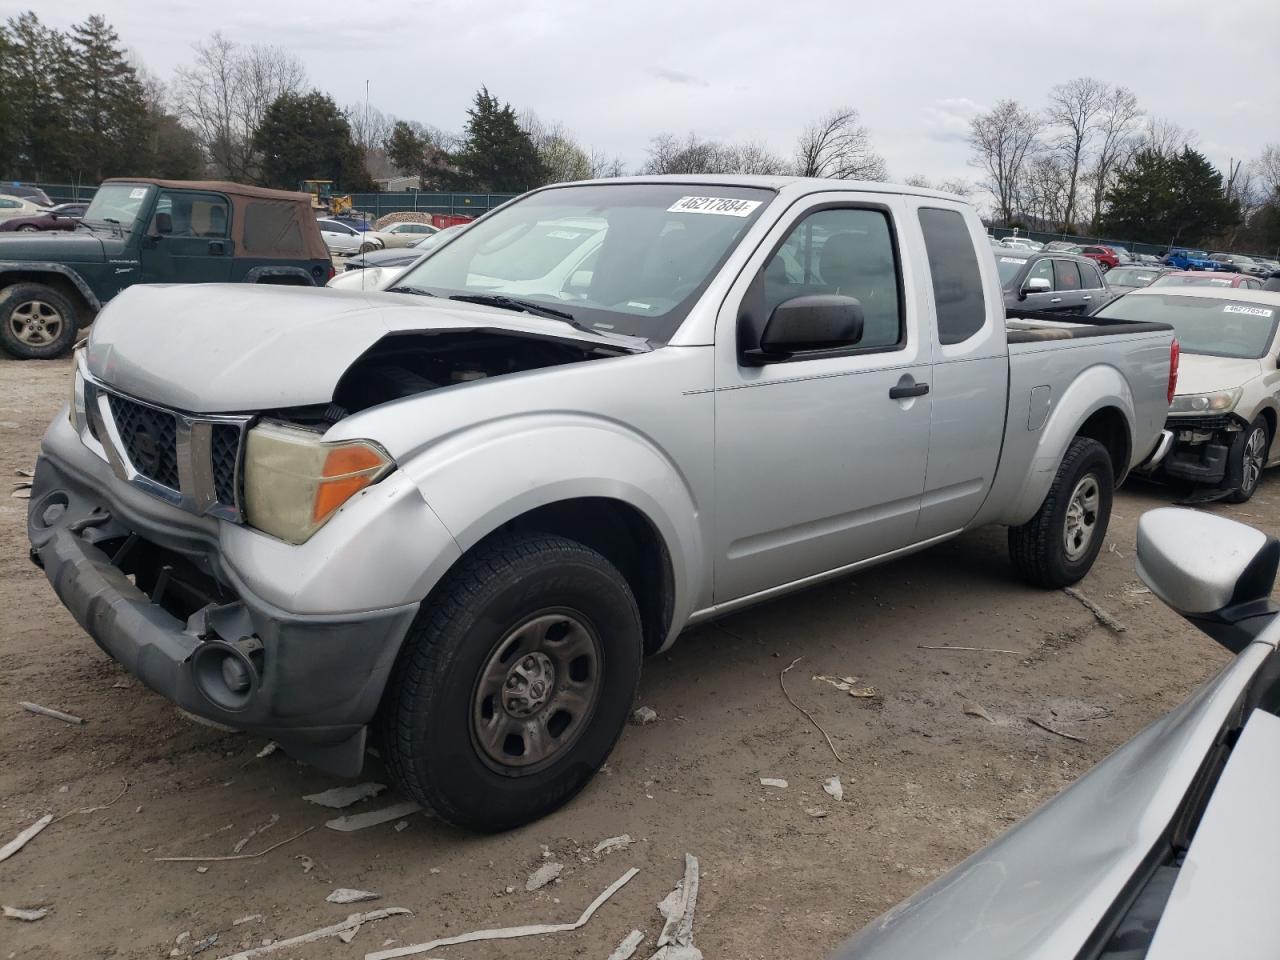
[1035, 285]
[163, 224]
[815, 322]
[1215, 572]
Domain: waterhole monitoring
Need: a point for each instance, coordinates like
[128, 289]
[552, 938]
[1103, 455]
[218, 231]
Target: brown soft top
[220, 186]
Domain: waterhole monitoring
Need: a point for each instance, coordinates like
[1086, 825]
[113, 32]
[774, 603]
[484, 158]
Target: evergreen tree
[105, 103]
[306, 137]
[1169, 198]
[34, 82]
[496, 156]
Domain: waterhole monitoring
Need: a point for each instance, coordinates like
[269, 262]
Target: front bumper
[157, 600]
[1202, 450]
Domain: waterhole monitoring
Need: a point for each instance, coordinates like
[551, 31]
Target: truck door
[819, 455]
[970, 369]
[188, 239]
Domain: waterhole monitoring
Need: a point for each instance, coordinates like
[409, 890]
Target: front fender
[479, 478]
[1097, 388]
[41, 266]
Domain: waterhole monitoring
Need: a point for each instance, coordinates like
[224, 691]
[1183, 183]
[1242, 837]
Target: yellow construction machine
[322, 197]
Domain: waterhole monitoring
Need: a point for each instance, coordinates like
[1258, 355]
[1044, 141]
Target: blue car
[1184, 259]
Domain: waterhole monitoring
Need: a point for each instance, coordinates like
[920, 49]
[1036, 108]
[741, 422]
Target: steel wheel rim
[1254, 454]
[1082, 517]
[536, 692]
[36, 323]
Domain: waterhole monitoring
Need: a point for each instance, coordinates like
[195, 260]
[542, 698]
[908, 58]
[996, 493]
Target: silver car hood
[1039, 890]
[221, 348]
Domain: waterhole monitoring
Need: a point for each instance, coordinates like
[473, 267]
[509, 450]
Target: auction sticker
[723, 206]
[1251, 311]
[1011, 260]
[137, 193]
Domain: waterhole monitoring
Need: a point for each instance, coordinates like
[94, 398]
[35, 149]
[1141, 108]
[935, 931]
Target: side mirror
[816, 322]
[163, 224]
[1215, 572]
[1036, 285]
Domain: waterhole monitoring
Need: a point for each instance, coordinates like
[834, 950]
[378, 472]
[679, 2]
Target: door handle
[1055, 300]
[908, 388]
[1088, 298]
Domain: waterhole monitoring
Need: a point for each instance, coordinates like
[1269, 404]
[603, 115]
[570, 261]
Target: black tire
[1039, 548]
[367, 247]
[28, 228]
[36, 322]
[431, 714]
[1251, 445]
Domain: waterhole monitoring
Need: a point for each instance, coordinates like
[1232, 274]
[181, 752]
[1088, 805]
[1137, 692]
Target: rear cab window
[959, 302]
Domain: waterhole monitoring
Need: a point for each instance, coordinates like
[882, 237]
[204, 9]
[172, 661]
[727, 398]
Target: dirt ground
[925, 783]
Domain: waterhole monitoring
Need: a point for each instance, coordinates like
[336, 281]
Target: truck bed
[1034, 326]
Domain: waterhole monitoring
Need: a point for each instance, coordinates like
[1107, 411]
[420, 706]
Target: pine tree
[35, 86]
[306, 137]
[496, 156]
[105, 101]
[1169, 198]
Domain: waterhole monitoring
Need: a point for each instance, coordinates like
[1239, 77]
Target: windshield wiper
[414, 290]
[523, 306]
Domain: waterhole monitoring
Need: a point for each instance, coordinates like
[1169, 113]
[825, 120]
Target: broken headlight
[76, 412]
[294, 481]
[1222, 401]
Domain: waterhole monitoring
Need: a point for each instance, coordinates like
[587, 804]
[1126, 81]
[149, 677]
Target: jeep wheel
[514, 683]
[36, 322]
[1250, 455]
[1057, 546]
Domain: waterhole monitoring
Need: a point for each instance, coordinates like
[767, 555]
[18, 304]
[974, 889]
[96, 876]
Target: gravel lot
[925, 783]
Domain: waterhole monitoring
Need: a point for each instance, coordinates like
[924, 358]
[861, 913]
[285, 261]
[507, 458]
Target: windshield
[117, 203]
[1008, 267]
[1131, 277]
[1204, 325]
[1198, 280]
[630, 258]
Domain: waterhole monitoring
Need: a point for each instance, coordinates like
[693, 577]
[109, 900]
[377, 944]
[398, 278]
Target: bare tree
[690, 154]
[754, 158]
[604, 167]
[224, 94]
[1267, 171]
[562, 158]
[957, 185]
[1073, 114]
[370, 128]
[1117, 123]
[1002, 139]
[837, 146]
[1164, 137]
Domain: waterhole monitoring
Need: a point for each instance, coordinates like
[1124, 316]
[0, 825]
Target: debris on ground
[773, 782]
[30, 916]
[972, 709]
[644, 715]
[834, 789]
[50, 712]
[782, 682]
[542, 876]
[850, 686]
[928, 646]
[234, 856]
[402, 825]
[359, 821]
[340, 797]
[816, 812]
[1104, 618]
[355, 921]
[347, 895]
[306, 862]
[262, 828]
[675, 942]
[204, 944]
[1054, 730]
[251, 918]
[124, 788]
[22, 839]
[613, 843]
[629, 945]
[503, 933]
[268, 750]
[202, 869]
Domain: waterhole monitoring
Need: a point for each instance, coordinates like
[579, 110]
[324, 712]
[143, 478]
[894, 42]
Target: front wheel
[514, 683]
[36, 322]
[1250, 454]
[28, 228]
[1057, 546]
[367, 247]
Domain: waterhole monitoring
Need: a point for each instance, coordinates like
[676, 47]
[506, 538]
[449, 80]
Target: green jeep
[151, 231]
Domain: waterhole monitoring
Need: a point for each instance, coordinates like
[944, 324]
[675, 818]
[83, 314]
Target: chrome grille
[150, 439]
[226, 456]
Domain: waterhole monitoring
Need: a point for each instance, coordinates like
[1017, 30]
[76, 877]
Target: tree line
[1092, 161]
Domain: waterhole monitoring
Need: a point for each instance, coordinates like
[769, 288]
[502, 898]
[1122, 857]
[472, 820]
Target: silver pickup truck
[457, 513]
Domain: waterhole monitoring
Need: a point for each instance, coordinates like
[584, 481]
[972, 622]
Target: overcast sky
[617, 74]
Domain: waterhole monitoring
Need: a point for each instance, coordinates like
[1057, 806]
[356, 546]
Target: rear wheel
[514, 683]
[1058, 545]
[28, 228]
[36, 322]
[1250, 454]
[366, 247]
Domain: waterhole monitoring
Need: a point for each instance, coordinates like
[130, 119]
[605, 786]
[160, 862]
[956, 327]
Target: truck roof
[790, 185]
[220, 186]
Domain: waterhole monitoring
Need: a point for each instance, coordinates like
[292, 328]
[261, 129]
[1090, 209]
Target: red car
[1105, 256]
[64, 216]
[1201, 278]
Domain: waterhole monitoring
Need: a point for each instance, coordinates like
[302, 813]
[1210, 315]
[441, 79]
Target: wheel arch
[58, 277]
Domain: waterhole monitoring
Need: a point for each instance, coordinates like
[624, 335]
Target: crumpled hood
[223, 348]
[64, 247]
[1201, 374]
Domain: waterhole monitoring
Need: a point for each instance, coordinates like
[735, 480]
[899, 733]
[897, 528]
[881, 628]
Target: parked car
[1224, 414]
[1023, 243]
[1182, 259]
[142, 231]
[1061, 246]
[1163, 850]
[465, 515]
[1271, 266]
[403, 234]
[64, 216]
[26, 192]
[1148, 260]
[388, 261]
[1238, 263]
[1123, 279]
[1051, 282]
[1197, 278]
[345, 240]
[1104, 257]
[11, 207]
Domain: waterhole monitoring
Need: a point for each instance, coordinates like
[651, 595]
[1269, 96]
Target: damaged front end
[1205, 451]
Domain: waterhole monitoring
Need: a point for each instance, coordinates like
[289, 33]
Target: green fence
[1133, 246]
[453, 204]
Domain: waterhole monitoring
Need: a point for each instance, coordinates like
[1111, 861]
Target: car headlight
[294, 481]
[1223, 401]
[76, 412]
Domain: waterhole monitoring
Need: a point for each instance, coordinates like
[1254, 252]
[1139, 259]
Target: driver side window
[848, 252]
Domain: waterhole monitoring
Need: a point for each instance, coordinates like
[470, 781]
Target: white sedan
[11, 207]
[404, 234]
[344, 240]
